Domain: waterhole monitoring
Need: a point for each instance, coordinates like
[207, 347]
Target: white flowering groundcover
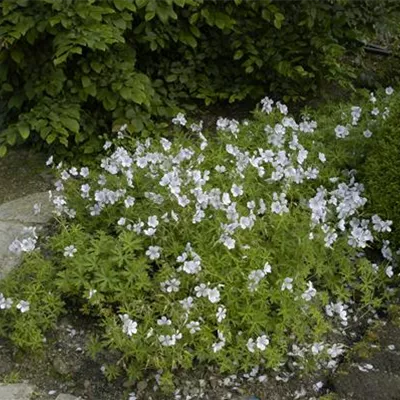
[243, 249]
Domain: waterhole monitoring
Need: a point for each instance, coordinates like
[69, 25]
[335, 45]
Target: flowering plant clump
[241, 249]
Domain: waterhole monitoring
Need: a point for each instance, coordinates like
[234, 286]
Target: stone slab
[14, 216]
[21, 210]
[17, 391]
[8, 232]
[63, 396]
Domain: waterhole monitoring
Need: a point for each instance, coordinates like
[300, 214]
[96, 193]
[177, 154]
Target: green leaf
[238, 55]
[278, 20]
[86, 81]
[3, 151]
[126, 93]
[23, 130]
[71, 124]
[51, 138]
[7, 87]
[17, 55]
[96, 66]
[149, 16]
[11, 137]
[122, 4]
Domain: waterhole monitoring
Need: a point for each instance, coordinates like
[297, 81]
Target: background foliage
[70, 70]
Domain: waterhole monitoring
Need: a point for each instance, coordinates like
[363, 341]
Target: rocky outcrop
[17, 391]
[14, 216]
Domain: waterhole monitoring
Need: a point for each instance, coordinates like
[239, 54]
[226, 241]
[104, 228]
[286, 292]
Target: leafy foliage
[233, 250]
[72, 70]
[381, 171]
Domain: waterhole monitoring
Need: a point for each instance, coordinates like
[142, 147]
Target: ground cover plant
[241, 249]
[72, 70]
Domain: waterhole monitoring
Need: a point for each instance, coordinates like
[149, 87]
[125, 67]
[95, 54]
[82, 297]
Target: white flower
[251, 345]
[318, 386]
[322, 157]
[389, 271]
[153, 221]
[5, 303]
[202, 290]
[129, 326]
[84, 172]
[221, 314]
[262, 342]
[153, 252]
[36, 208]
[309, 293]
[187, 303]
[50, 161]
[92, 292]
[193, 326]
[381, 225]
[218, 346]
[341, 131]
[129, 201]
[179, 120]
[267, 105]
[227, 241]
[367, 133]
[192, 267]
[132, 396]
[166, 144]
[375, 112]
[171, 285]
[65, 175]
[316, 348]
[213, 295]
[236, 190]
[389, 90]
[73, 171]
[267, 268]
[170, 340]
[166, 340]
[164, 321]
[335, 351]
[287, 284]
[23, 306]
[107, 145]
[69, 251]
[121, 221]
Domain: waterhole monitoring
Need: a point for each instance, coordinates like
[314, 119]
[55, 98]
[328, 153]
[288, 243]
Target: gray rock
[8, 232]
[14, 216]
[382, 382]
[60, 366]
[18, 391]
[63, 396]
[21, 210]
[356, 385]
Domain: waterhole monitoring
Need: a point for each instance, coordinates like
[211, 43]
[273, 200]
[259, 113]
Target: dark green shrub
[71, 70]
[381, 172]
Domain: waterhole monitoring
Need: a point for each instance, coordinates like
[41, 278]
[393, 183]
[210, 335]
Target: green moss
[394, 314]
[330, 396]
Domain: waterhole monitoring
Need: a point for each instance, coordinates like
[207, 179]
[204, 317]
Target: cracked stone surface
[14, 215]
[380, 353]
[17, 391]
[67, 397]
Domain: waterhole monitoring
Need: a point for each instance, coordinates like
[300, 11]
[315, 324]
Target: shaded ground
[22, 172]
